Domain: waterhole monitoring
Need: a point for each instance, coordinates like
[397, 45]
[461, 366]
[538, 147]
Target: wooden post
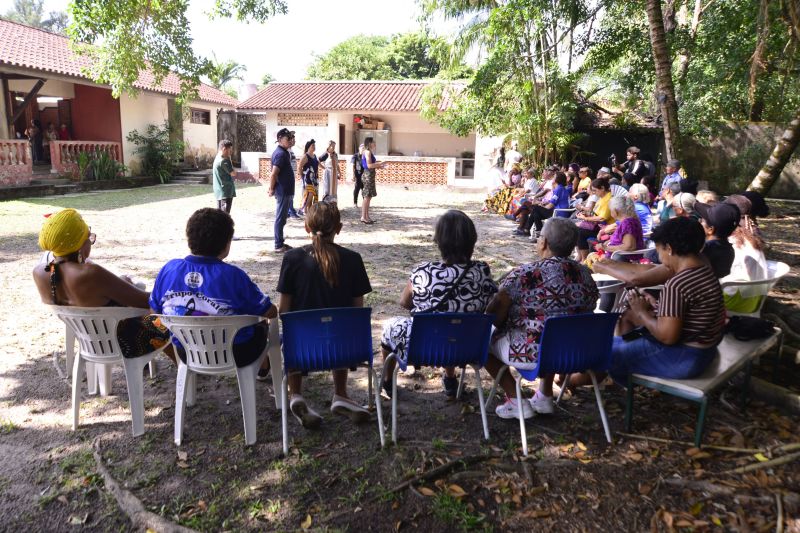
[28, 97]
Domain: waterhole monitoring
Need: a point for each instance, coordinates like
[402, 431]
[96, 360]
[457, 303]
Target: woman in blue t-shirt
[322, 275]
[559, 199]
[309, 165]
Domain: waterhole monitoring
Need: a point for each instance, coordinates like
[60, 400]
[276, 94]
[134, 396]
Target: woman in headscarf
[68, 279]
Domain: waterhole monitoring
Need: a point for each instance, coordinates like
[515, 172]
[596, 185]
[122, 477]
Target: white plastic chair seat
[95, 329]
[746, 298]
[208, 343]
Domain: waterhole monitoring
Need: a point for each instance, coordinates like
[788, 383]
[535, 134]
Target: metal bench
[732, 356]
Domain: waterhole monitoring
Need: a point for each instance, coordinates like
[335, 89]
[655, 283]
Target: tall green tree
[370, 57]
[521, 88]
[223, 72]
[123, 38]
[31, 12]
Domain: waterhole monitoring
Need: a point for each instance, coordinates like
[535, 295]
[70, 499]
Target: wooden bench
[732, 356]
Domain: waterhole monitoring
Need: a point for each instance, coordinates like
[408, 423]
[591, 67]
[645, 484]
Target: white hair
[623, 206]
[561, 235]
[685, 201]
[640, 193]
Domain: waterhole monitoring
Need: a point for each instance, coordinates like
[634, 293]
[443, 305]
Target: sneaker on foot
[542, 404]
[519, 232]
[510, 410]
[263, 374]
[450, 386]
[283, 249]
[347, 407]
[309, 418]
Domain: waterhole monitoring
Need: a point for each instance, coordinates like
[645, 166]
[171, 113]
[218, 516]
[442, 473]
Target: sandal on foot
[347, 407]
[366, 221]
[309, 418]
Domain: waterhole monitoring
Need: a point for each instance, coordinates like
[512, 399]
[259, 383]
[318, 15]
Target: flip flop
[347, 407]
[367, 221]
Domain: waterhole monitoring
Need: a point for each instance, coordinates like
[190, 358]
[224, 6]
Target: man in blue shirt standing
[281, 185]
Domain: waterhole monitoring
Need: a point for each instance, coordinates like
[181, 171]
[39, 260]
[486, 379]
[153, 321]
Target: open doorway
[342, 147]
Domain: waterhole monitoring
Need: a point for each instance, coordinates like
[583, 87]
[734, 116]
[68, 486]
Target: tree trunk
[783, 151]
[665, 89]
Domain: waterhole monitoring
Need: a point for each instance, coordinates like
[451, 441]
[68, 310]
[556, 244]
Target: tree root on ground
[140, 517]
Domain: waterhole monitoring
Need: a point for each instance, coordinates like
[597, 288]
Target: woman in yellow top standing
[590, 224]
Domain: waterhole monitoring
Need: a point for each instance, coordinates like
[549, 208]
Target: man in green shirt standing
[224, 188]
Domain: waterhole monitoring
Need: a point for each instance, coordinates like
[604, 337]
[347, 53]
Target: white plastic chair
[742, 295]
[92, 372]
[208, 341]
[95, 328]
[564, 212]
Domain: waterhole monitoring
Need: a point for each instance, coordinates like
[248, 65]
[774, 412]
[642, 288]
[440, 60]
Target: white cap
[606, 170]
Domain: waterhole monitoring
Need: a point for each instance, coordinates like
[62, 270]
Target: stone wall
[732, 159]
[398, 172]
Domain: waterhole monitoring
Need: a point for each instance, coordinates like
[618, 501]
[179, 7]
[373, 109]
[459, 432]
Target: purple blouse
[628, 226]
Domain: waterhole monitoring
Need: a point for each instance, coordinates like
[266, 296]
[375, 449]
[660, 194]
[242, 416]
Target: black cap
[723, 217]
[284, 132]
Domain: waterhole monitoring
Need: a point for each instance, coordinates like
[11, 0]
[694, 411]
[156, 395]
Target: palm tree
[665, 89]
[222, 72]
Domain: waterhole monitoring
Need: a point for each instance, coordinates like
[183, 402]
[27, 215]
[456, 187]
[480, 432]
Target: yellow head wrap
[63, 233]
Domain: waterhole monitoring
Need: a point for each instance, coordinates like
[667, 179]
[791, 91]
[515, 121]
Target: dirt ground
[338, 478]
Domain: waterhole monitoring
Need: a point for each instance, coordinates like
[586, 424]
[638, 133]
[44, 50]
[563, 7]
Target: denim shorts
[645, 355]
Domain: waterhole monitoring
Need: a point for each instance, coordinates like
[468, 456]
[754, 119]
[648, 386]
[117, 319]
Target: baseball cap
[605, 169]
[674, 163]
[284, 132]
[723, 217]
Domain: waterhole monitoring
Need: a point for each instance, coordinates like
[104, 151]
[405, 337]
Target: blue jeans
[647, 356]
[292, 212]
[281, 212]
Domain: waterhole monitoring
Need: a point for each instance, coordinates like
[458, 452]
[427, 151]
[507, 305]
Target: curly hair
[684, 235]
[209, 231]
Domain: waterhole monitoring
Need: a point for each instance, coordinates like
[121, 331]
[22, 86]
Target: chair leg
[275, 360]
[91, 377]
[701, 420]
[369, 386]
[523, 434]
[480, 400]
[394, 404]
[489, 399]
[191, 389]
[135, 381]
[104, 378]
[379, 409]
[563, 388]
[69, 351]
[152, 368]
[180, 399]
[77, 373]
[600, 406]
[629, 405]
[461, 383]
[247, 395]
[746, 385]
[284, 413]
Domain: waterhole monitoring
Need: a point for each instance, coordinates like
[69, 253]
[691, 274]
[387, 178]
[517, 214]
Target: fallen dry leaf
[426, 491]
[692, 451]
[696, 509]
[183, 464]
[183, 456]
[582, 446]
[456, 491]
[305, 524]
[761, 457]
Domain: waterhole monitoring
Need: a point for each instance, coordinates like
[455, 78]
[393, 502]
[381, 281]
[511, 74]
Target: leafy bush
[84, 161]
[159, 153]
[106, 167]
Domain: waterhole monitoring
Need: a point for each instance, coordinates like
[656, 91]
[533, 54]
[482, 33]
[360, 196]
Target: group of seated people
[673, 337]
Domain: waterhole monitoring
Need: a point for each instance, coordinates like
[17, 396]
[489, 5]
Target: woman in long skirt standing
[370, 165]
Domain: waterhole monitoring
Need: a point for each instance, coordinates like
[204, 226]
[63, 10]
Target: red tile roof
[340, 96]
[27, 47]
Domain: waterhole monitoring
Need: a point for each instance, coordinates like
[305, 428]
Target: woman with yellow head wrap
[68, 279]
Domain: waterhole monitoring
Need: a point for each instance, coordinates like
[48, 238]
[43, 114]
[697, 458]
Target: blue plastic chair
[324, 339]
[572, 343]
[443, 339]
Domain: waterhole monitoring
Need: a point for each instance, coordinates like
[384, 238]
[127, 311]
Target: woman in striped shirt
[677, 337]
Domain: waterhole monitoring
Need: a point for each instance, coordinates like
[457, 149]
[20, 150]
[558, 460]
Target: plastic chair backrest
[751, 300]
[449, 339]
[96, 329]
[208, 340]
[632, 255]
[564, 212]
[575, 343]
[325, 339]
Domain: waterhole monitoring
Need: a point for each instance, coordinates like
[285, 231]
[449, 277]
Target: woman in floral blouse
[555, 285]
